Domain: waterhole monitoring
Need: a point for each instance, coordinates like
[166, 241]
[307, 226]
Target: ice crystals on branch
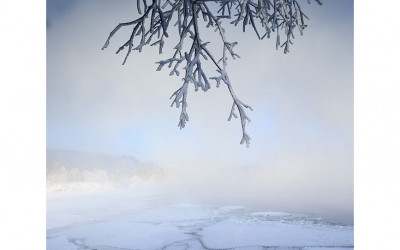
[263, 16]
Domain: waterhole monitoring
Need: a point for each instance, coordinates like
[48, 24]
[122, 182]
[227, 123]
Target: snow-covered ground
[131, 219]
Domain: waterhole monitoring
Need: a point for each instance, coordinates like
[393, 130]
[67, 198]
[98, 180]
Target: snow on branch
[262, 16]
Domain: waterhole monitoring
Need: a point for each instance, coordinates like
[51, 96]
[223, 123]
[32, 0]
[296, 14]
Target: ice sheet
[129, 220]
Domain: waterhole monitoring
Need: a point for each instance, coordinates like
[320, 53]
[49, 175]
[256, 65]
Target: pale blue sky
[302, 121]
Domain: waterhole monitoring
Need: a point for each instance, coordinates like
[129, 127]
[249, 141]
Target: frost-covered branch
[263, 16]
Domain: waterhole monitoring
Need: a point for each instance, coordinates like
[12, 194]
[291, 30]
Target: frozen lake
[134, 220]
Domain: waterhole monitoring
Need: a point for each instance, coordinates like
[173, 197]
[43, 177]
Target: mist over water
[261, 188]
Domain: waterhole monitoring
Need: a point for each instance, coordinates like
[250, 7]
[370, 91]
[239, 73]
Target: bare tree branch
[268, 15]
